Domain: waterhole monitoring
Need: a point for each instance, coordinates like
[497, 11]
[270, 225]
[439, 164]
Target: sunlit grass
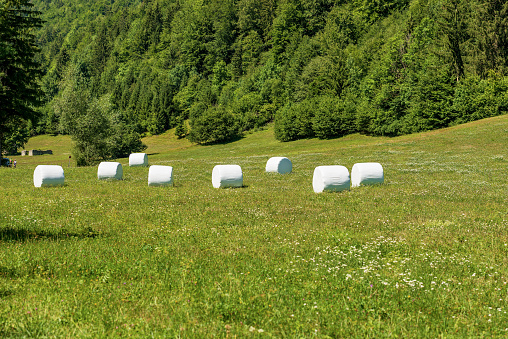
[422, 255]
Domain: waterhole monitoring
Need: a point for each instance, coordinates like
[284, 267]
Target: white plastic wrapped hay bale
[330, 179]
[281, 165]
[110, 170]
[138, 159]
[227, 176]
[160, 175]
[48, 175]
[367, 173]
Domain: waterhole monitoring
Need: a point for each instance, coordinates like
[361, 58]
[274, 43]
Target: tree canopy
[320, 68]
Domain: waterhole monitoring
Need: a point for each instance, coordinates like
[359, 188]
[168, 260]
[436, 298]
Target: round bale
[366, 173]
[138, 159]
[48, 175]
[281, 165]
[110, 170]
[330, 178]
[227, 176]
[160, 175]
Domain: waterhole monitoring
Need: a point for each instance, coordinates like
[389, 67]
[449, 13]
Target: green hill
[315, 68]
[423, 255]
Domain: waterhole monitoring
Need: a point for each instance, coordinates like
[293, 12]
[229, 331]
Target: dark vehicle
[5, 162]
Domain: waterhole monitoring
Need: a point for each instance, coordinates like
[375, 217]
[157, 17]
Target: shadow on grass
[224, 142]
[6, 272]
[37, 327]
[234, 188]
[23, 234]
[5, 293]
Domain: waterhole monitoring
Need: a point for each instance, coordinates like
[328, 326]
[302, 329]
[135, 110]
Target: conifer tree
[19, 71]
[454, 28]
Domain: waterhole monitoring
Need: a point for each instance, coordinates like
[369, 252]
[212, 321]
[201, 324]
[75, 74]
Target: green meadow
[422, 255]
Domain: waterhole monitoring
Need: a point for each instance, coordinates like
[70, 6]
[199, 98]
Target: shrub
[294, 121]
[124, 140]
[215, 125]
[477, 99]
[248, 107]
[332, 118]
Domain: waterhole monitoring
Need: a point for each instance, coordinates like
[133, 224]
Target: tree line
[215, 69]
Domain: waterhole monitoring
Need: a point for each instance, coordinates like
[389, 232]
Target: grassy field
[423, 255]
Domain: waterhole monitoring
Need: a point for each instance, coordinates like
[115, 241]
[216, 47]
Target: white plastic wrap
[330, 178]
[48, 175]
[138, 159]
[160, 175]
[367, 173]
[280, 165]
[227, 176]
[110, 170]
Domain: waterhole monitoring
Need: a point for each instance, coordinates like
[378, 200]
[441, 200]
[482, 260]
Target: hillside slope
[422, 255]
[487, 136]
[316, 68]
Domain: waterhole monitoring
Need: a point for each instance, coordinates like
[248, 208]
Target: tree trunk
[1, 146]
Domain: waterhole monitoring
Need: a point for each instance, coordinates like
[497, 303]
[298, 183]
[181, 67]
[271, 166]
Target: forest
[215, 69]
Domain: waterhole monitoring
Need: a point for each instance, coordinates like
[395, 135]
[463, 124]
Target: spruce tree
[453, 27]
[19, 72]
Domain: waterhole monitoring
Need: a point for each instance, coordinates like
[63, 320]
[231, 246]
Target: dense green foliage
[99, 133]
[321, 68]
[19, 71]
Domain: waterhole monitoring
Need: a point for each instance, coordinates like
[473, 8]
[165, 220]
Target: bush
[196, 110]
[333, 118]
[248, 107]
[294, 121]
[215, 125]
[124, 140]
[478, 99]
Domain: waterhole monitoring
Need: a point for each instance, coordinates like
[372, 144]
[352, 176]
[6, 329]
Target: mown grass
[423, 255]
